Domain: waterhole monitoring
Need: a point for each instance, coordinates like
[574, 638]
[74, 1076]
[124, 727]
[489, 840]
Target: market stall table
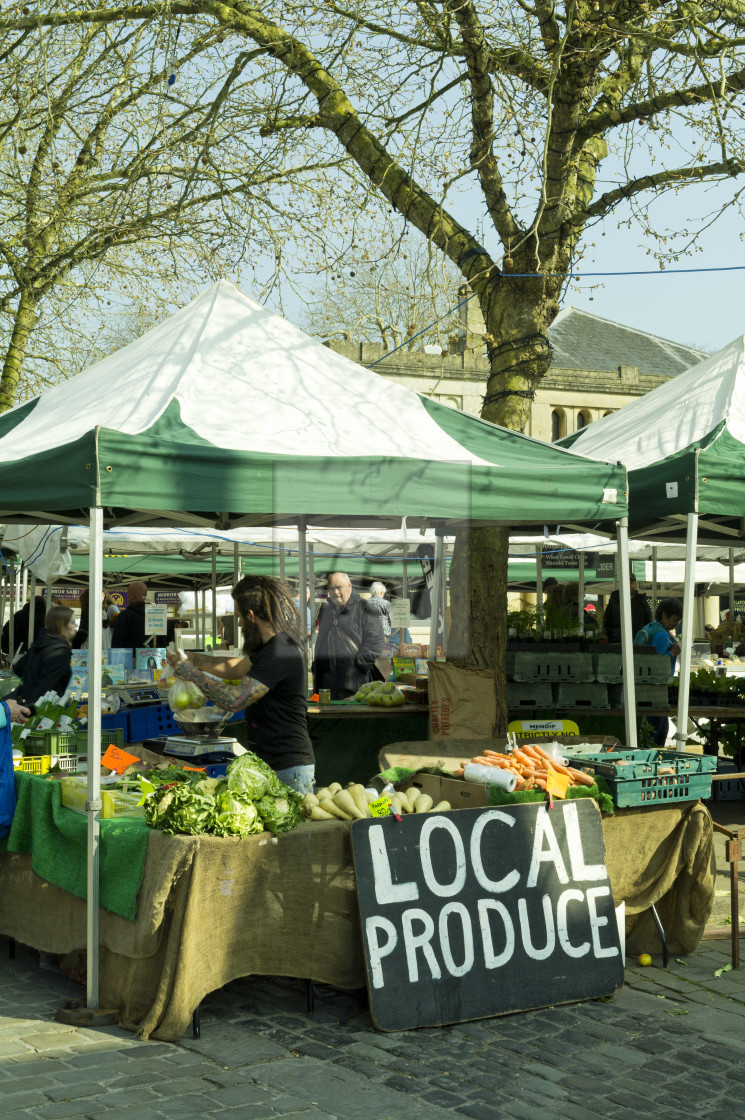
[348, 735]
[212, 909]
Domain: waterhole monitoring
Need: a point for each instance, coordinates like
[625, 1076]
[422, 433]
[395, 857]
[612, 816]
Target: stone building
[598, 366]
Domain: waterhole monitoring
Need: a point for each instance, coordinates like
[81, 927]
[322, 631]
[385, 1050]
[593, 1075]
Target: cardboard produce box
[460, 794]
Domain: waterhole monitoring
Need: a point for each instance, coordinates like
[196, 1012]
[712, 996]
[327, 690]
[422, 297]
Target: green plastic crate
[49, 742]
[112, 736]
[529, 695]
[581, 697]
[557, 668]
[653, 697]
[652, 776]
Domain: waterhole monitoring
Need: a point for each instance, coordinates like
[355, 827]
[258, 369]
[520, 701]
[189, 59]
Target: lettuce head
[251, 777]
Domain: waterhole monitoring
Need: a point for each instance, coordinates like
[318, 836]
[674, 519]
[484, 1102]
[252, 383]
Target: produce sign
[484, 911]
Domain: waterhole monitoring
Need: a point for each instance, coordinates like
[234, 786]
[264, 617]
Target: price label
[117, 760]
[400, 614]
[381, 807]
[557, 783]
[155, 619]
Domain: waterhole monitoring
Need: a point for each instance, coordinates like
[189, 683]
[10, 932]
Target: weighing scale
[134, 694]
[201, 742]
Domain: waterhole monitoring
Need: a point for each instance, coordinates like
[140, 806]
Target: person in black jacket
[641, 613]
[46, 666]
[20, 625]
[129, 630]
[350, 639]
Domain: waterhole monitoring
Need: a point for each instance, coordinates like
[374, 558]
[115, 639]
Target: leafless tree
[554, 116]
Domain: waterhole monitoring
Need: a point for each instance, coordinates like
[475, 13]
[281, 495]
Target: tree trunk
[517, 315]
[16, 352]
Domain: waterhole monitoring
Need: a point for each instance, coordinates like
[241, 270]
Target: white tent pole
[686, 642]
[3, 595]
[627, 638]
[24, 589]
[435, 597]
[204, 617]
[31, 610]
[539, 584]
[443, 564]
[214, 596]
[654, 580]
[731, 597]
[302, 560]
[281, 565]
[404, 590]
[93, 804]
[310, 606]
[196, 615]
[11, 616]
[581, 592]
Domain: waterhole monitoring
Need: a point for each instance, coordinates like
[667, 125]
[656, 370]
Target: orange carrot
[580, 777]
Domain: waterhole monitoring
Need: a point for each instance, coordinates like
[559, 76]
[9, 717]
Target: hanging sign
[400, 614]
[559, 557]
[481, 912]
[155, 619]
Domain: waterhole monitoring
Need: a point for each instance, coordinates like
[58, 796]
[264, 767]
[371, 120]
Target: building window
[558, 424]
[609, 412]
[583, 419]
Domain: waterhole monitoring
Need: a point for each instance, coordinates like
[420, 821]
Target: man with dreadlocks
[273, 679]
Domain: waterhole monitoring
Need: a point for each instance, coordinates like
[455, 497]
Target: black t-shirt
[278, 723]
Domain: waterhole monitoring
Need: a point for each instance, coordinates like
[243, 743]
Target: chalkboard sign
[480, 912]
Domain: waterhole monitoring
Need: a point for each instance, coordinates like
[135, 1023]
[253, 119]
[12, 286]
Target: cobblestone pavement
[668, 1045]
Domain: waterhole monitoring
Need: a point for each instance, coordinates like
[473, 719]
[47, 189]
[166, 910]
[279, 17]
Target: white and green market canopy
[226, 415]
[684, 447]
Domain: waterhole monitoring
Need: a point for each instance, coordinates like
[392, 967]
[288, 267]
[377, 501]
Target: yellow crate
[34, 764]
[114, 802]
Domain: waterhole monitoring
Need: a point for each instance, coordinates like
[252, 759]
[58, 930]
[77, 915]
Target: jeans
[299, 778]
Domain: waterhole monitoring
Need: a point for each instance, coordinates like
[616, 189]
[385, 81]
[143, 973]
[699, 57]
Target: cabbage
[180, 807]
[282, 812]
[235, 815]
[250, 776]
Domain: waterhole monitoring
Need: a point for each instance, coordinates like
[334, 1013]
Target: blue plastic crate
[151, 721]
[117, 720]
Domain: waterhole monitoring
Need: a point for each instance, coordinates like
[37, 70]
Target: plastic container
[114, 803]
[490, 776]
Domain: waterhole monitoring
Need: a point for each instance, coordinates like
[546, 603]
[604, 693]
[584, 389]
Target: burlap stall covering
[210, 910]
[663, 858]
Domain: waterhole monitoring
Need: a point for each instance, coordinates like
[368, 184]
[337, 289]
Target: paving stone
[28, 1098]
[74, 1089]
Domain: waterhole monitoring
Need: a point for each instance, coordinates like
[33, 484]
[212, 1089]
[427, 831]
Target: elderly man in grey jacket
[350, 639]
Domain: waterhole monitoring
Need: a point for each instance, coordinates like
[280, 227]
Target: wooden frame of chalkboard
[482, 912]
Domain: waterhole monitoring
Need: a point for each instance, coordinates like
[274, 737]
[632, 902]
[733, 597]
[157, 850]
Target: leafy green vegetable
[180, 807]
[171, 774]
[250, 776]
[282, 812]
[235, 815]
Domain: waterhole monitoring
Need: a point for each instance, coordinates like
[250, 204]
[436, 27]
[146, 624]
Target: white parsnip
[344, 800]
[330, 806]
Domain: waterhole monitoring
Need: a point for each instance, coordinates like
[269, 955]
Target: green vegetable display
[252, 777]
[248, 800]
[283, 812]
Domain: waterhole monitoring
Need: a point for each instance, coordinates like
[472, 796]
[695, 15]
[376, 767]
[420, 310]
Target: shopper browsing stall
[350, 640]
[660, 634]
[273, 679]
[47, 665]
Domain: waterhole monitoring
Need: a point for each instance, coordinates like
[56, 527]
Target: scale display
[181, 746]
[139, 694]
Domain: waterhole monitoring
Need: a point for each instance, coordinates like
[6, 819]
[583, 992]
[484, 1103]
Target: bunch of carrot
[531, 765]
